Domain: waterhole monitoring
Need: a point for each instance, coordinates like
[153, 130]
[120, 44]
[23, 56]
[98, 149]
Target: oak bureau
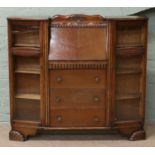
[77, 73]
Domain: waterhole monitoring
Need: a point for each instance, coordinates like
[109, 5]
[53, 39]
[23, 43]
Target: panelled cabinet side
[111, 73]
[44, 39]
[130, 77]
[28, 49]
[11, 78]
[144, 70]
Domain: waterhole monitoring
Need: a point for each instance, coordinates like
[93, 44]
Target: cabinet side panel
[26, 62]
[11, 78]
[44, 73]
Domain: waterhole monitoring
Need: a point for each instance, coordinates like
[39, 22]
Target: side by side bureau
[77, 73]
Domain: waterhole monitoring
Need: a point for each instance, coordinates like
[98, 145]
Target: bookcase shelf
[128, 96]
[27, 71]
[28, 96]
[26, 51]
[126, 51]
[128, 71]
[26, 122]
[26, 31]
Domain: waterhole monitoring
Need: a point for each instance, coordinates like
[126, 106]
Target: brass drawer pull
[97, 79]
[59, 118]
[96, 99]
[115, 119]
[96, 119]
[59, 79]
[58, 99]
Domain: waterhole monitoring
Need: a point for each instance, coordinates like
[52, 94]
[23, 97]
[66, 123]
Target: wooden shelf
[28, 71]
[126, 51]
[27, 45]
[26, 51]
[28, 96]
[28, 122]
[26, 31]
[130, 46]
[128, 71]
[128, 96]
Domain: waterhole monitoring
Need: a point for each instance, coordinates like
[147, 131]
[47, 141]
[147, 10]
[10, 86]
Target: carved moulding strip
[77, 65]
[77, 25]
[79, 17]
[78, 21]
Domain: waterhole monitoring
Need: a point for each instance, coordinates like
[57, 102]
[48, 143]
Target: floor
[77, 140]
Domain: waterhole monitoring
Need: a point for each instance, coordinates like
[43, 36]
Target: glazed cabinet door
[26, 67]
[130, 70]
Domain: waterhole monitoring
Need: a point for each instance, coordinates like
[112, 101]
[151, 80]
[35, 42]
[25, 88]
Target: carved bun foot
[138, 135]
[17, 136]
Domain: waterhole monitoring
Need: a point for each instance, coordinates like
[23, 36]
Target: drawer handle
[59, 79]
[97, 79]
[96, 119]
[58, 99]
[96, 99]
[115, 119]
[59, 118]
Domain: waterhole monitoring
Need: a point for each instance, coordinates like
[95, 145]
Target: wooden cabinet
[77, 73]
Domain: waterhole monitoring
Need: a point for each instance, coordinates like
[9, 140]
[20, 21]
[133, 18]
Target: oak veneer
[77, 73]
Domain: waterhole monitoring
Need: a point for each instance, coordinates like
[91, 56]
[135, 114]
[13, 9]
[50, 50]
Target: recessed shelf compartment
[130, 34]
[26, 51]
[128, 110]
[27, 65]
[129, 64]
[28, 110]
[25, 36]
[128, 83]
[27, 84]
[28, 96]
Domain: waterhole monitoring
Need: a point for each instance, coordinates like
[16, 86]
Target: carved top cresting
[77, 20]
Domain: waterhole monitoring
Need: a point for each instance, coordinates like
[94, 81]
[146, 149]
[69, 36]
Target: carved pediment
[77, 20]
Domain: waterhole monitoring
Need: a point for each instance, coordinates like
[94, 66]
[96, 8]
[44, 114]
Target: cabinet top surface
[28, 18]
[77, 17]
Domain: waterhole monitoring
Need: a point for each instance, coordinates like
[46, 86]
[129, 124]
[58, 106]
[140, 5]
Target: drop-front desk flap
[78, 38]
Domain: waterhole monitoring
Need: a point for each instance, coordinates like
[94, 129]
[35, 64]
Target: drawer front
[77, 78]
[77, 117]
[76, 97]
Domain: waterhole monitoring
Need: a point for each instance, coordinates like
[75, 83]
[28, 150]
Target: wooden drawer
[78, 78]
[76, 97]
[77, 117]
